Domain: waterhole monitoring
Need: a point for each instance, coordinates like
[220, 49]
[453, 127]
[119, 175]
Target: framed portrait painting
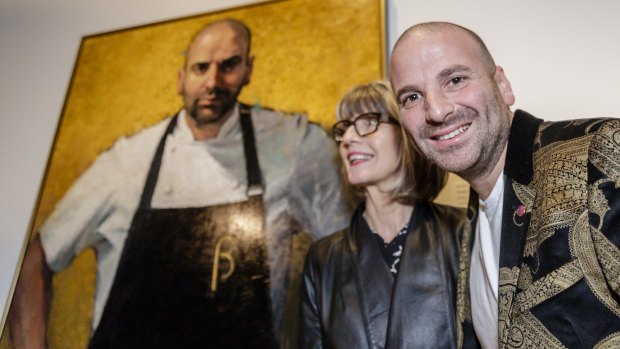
[307, 54]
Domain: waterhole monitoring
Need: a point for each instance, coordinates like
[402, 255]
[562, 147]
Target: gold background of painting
[308, 54]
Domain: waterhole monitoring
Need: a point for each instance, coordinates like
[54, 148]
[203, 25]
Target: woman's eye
[369, 121]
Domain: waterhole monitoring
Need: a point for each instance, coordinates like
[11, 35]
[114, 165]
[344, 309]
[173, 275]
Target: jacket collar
[519, 171]
[519, 156]
[372, 279]
[421, 312]
[519, 167]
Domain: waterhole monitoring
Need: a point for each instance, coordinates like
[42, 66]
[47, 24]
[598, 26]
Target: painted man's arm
[31, 301]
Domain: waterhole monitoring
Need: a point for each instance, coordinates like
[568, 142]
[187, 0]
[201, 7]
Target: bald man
[540, 266]
[193, 218]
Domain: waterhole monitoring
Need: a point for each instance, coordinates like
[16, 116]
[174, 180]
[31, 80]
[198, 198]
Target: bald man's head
[241, 29]
[217, 67]
[422, 28]
[454, 100]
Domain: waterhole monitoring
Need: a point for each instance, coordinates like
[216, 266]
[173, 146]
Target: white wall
[559, 56]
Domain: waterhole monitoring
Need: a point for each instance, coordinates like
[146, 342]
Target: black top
[393, 250]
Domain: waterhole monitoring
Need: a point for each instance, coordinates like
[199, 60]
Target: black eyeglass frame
[377, 116]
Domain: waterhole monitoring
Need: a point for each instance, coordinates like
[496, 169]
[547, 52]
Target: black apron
[192, 277]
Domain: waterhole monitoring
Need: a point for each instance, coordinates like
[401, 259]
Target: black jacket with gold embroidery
[559, 282]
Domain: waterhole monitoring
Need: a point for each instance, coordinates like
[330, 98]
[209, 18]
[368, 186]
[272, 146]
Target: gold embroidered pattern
[609, 257]
[527, 332]
[559, 180]
[605, 150]
[525, 194]
[582, 247]
[610, 342]
[560, 198]
[547, 286]
[463, 302]
[597, 203]
[507, 288]
[525, 277]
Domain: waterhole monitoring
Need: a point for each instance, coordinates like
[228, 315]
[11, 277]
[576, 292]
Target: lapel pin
[519, 212]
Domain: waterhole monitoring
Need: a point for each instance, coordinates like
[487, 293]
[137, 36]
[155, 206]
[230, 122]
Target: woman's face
[372, 160]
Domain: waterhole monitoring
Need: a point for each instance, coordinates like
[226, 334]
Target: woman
[389, 279]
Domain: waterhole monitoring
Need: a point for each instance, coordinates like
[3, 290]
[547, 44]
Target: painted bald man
[193, 219]
[540, 265]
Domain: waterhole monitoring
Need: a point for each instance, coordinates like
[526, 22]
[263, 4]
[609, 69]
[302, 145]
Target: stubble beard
[485, 148]
[491, 145]
[229, 98]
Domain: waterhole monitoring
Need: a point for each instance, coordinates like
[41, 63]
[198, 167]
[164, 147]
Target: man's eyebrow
[228, 59]
[231, 58]
[444, 74]
[405, 89]
[447, 72]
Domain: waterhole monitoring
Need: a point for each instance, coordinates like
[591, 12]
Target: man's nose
[211, 76]
[437, 107]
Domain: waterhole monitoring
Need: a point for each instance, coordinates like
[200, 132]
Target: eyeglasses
[364, 125]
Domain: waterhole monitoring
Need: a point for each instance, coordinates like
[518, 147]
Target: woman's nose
[350, 135]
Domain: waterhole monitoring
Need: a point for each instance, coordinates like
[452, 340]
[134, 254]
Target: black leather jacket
[350, 299]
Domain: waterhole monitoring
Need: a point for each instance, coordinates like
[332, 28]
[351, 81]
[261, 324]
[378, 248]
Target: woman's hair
[419, 179]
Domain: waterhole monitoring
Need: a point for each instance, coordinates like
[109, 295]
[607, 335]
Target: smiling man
[193, 219]
[541, 263]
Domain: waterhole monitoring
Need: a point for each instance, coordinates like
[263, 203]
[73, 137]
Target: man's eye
[409, 100]
[456, 83]
[230, 64]
[200, 68]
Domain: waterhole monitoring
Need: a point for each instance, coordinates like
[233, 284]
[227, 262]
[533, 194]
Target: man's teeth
[359, 157]
[454, 133]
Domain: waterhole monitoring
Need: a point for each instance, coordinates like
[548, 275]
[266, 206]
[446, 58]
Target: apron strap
[151, 177]
[255, 186]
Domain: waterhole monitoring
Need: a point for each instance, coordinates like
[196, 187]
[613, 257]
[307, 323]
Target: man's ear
[248, 73]
[180, 81]
[504, 86]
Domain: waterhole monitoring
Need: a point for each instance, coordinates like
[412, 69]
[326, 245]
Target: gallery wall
[560, 56]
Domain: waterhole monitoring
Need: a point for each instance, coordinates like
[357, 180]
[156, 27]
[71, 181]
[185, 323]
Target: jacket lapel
[404, 318]
[517, 206]
[373, 280]
[518, 197]
[465, 329]
[421, 301]
[515, 223]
